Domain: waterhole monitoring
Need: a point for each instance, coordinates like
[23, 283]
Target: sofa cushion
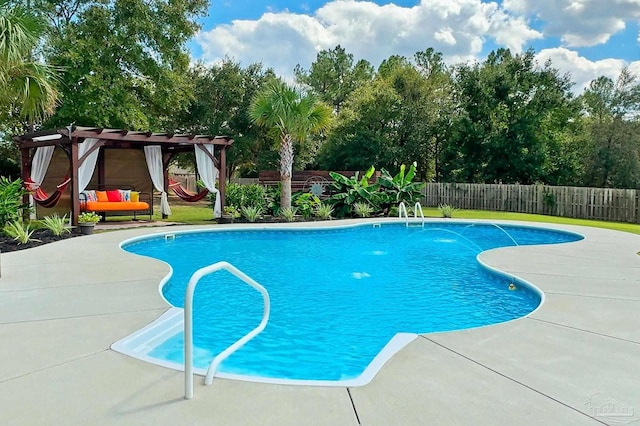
[134, 196]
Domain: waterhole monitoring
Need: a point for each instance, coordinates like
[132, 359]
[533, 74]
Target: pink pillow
[114, 195]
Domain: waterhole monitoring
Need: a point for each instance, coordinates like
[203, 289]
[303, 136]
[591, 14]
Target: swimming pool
[343, 299]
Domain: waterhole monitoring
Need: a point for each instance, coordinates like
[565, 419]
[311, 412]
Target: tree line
[506, 118]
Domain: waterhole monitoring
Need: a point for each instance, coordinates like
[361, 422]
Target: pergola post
[26, 173]
[75, 187]
[222, 178]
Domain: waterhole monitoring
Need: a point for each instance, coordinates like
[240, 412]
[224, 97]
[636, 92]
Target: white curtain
[153, 154]
[85, 170]
[39, 166]
[208, 173]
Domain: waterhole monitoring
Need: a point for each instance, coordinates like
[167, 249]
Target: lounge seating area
[116, 200]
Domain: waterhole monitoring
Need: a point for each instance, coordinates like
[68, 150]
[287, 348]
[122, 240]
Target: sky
[586, 38]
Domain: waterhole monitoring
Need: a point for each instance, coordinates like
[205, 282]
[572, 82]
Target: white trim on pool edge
[140, 343]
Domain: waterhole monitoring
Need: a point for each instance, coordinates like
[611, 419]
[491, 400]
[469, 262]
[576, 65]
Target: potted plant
[86, 222]
[229, 214]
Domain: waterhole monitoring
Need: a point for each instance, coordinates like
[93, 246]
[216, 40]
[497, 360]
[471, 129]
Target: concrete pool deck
[574, 361]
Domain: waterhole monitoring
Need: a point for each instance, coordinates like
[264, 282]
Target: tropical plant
[362, 209]
[251, 213]
[88, 217]
[273, 197]
[56, 224]
[28, 85]
[401, 187]
[324, 211]
[19, 231]
[288, 115]
[446, 210]
[306, 203]
[11, 205]
[351, 190]
[288, 213]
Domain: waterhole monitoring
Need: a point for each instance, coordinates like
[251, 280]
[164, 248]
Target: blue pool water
[338, 295]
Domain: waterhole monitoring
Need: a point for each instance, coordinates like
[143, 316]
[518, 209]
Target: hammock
[44, 199]
[187, 196]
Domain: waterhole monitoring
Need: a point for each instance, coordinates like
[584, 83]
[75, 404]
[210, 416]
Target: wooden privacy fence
[616, 205]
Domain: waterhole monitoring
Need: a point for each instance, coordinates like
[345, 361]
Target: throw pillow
[135, 196]
[114, 196]
[101, 196]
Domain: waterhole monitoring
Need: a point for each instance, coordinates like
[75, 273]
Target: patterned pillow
[90, 195]
[125, 195]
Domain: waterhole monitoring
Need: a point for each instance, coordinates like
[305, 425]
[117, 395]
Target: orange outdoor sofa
[114, 200]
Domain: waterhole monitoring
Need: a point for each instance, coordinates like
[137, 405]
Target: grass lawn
[483, 214]
[200, 214]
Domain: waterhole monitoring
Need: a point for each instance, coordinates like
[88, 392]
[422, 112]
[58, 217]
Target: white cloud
[579, 22]
[583, 70]
[457, 28]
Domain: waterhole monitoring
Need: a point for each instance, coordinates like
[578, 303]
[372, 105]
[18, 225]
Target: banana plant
[401, 187]
[355, 189]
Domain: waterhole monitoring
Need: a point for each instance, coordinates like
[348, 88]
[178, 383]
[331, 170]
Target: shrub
[362, 209]
[288, 213]
[446, 210]
[11, 205]
[324, 211]
[251, 213]
[253, 195]
[19, 231]
[306, 203]
[56, 224]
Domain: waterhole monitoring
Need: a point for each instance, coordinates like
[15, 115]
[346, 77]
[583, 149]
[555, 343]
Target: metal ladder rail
[418, 208]
[188, 323]
[402, 208]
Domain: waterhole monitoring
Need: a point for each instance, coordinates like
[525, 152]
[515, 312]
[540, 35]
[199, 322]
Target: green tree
[220, 106]
[333, 75]
[401, 117]
[125, 62]
[288, 115]
[511, 111]
[29, 93]
[613, 132]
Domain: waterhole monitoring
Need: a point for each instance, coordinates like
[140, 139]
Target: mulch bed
[40, 237]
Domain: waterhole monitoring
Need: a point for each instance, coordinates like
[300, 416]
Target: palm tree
[28, 84]
[288, 115]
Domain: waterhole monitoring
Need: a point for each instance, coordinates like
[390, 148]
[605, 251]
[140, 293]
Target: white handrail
[188, 323]
[403, 208]
[418, 208]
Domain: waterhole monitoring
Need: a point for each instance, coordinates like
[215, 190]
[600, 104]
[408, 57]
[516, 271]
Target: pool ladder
[402, 212]
[188, 323]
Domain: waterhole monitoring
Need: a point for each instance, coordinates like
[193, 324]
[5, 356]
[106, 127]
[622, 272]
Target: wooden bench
[315, 181]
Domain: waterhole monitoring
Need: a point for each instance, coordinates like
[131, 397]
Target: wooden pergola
[70, 137]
